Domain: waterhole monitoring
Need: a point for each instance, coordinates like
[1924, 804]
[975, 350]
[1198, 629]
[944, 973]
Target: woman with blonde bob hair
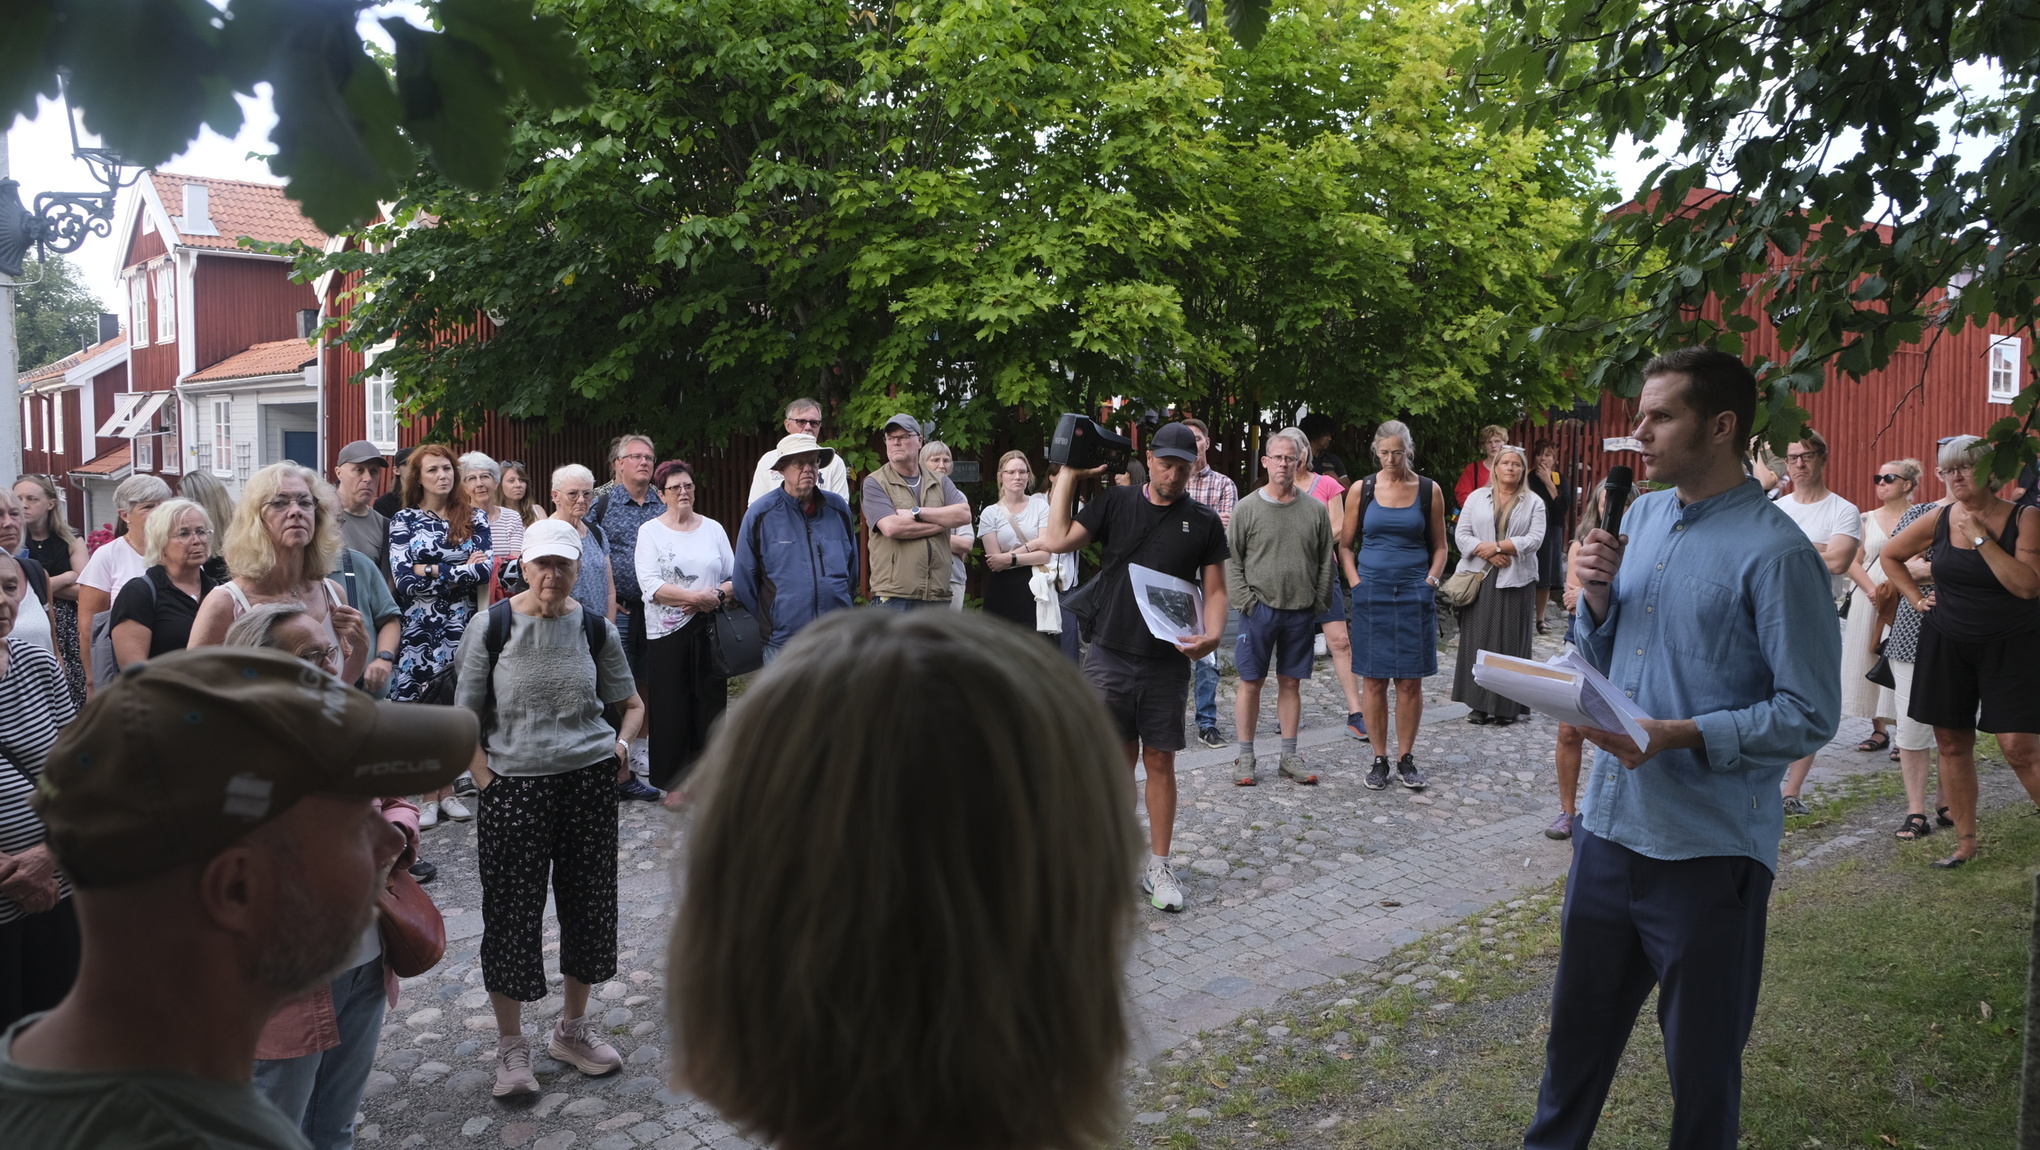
[943, 964]
[282, 544]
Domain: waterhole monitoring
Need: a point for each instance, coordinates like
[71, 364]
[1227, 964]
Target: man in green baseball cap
[214, 811]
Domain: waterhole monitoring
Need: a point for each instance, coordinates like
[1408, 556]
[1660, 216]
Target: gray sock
[1289, 744]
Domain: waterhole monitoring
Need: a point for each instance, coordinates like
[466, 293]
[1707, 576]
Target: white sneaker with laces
[580, 1044]
[451, 807]
[1160, 884]
[428, 815]
[513, 1067]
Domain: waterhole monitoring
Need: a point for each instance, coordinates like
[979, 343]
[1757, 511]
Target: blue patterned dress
[437, 607]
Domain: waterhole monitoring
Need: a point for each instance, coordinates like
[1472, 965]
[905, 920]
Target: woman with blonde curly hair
[283, 542]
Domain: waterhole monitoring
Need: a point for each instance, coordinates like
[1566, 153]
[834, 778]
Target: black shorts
[1991, 685]
[1145, 696]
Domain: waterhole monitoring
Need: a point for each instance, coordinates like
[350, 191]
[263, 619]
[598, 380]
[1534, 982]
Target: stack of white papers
[1567, 688]
[1172, 607]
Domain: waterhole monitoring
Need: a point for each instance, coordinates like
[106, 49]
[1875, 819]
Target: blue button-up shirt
[1720, 614]
[620, 516]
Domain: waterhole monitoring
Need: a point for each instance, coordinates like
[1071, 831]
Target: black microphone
[1621, 485]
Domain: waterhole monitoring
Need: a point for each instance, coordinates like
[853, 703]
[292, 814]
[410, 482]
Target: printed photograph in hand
[1179, 607]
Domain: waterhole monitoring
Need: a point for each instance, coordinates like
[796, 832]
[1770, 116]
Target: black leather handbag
[735, 645]
[1880, 671]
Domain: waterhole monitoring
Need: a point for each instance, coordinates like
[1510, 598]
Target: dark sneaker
[1210, 737]
[1406, 767]
[1560, 828]
[635, 788]
[424, 871]
[1377, 775]
[1795, 807]
[1356, 726]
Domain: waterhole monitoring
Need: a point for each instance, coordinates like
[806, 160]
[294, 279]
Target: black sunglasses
[1887, 478]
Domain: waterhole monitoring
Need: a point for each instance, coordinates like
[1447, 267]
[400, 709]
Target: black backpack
[441, 691]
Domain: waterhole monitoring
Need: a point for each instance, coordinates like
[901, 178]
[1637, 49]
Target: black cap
[1175, 441]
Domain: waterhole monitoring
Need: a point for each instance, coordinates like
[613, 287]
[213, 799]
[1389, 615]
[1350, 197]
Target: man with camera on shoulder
[1146, 681]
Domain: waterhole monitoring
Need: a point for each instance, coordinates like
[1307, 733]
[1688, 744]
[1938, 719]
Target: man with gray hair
[627, 504]
[803, 417]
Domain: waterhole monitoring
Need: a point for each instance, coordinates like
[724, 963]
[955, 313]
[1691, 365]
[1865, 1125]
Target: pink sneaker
[513, 1067]
[580, 1044]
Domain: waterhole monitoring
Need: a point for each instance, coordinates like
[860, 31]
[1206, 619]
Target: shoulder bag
[735, 644]
[1086, 600]
[1463, 587]
[413, 931]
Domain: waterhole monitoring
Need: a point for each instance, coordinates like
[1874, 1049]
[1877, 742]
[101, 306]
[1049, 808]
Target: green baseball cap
[181, 755]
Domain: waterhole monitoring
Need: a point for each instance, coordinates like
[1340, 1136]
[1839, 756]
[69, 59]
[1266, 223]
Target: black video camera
[1083, 443]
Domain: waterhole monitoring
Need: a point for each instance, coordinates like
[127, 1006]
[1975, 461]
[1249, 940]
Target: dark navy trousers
[1692, 928]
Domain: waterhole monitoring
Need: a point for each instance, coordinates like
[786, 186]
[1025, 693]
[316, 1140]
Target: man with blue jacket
[797, 548]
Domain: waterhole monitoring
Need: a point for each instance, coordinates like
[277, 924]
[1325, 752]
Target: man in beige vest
[910, 515]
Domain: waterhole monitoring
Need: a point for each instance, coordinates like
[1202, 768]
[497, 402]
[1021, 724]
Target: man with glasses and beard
[215, 811]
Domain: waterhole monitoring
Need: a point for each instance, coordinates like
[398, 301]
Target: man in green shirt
[1279, 571]
[215, 811]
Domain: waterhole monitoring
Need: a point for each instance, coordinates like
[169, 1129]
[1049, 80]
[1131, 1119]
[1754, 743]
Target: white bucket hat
[800, 443]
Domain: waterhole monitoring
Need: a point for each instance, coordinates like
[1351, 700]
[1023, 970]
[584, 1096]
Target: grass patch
[1893, 995]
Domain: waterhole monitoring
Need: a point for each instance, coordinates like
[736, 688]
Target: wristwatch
[1431, 579]
[1979, 540]
[917, 515]
[386, 656]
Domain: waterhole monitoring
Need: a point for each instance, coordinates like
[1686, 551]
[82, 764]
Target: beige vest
[909, 568]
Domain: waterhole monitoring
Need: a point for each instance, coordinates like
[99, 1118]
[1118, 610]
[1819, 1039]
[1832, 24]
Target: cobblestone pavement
[1287, 887]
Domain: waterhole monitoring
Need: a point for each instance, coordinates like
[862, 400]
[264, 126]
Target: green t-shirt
[132, 1110]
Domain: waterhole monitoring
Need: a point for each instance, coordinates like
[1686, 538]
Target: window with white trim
[2006, 352]
[145, 453]
[166, 304]
[57, 421]
[138, 309]
[48, 404]
[27, 423]
[223, 437]
[382, 410]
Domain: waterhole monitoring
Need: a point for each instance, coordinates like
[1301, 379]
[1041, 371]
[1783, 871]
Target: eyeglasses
[191, 533]
[797, 421]
[675, 488]
[1801, 457]
[566, 495]
[1887, 478]
[638, 457]
[1290, 459]
[1962, 469]
[320, 655]
[283, 503]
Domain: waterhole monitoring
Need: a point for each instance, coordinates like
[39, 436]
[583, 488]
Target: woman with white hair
[573, 493]
[108, 571]
[1499, 533]
[204, 488]
[483, 478]
[283, 543]
[1396, 528]
[1979, 626]
[153, 615]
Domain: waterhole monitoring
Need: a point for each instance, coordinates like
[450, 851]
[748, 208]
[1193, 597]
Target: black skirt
[1499, 621]
[683, 699]
[1007, 595]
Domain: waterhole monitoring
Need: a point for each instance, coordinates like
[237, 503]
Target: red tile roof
[110, 463]
[281, 357]
[57, 369]
[238, 208]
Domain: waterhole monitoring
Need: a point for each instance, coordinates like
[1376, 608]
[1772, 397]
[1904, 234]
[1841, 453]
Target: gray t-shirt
[132, 1110]
[368, 534]
[549, 694]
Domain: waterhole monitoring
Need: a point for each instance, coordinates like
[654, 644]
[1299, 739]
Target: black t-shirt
[1190, 541]
[168, 613]
[53, 553]
[1326, 463]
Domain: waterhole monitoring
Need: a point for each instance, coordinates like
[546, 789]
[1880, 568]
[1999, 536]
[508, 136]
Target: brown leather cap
[181, 755]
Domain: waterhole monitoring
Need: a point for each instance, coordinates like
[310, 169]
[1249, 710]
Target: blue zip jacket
[792, 567]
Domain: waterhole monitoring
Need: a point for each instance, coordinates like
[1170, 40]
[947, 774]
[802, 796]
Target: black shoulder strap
[1366, 498]
[1127, 556]
[496, 634]
[601, 507]
[597, 636]
[595, 530]
[38, 578]
[1424, 489]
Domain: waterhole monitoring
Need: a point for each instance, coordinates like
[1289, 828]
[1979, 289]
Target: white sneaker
[451, 807]
[1160, 884]
[428, 815]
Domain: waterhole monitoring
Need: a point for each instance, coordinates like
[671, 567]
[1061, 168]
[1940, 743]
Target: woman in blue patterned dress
[439, 551]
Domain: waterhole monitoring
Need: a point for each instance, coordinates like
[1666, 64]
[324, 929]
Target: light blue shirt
[1720, 614]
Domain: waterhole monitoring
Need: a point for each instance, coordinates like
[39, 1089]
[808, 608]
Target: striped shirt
[34, 706]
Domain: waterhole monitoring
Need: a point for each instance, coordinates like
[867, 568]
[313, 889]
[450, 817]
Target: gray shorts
[1145, 697]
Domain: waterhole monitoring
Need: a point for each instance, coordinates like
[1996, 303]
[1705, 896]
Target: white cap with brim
[551, 538]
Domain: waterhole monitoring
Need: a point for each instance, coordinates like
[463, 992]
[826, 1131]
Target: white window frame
[223, 437]
[380, 397]
[138, 309]
[2001, 368]
[27, 423]
[48, 403]
[144, 457]
[57, 420]
[166, 303]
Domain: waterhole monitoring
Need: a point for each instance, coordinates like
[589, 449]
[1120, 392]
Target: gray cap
[362, 451]
[905, 422]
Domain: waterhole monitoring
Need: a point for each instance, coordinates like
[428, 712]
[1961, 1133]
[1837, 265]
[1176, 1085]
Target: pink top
[1325, 488]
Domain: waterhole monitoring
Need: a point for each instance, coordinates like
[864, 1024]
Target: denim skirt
[1394, 628]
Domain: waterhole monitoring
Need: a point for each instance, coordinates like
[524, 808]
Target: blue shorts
[1289, 636]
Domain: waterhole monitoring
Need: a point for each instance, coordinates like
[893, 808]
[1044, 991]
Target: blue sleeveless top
[1392, 544]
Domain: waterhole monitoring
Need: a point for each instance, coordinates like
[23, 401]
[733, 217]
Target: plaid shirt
[1216, 492]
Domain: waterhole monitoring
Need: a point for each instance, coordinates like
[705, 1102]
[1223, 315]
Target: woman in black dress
[1550, 487]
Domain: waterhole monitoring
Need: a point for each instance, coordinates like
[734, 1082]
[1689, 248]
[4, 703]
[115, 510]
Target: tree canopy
[55, 314]
[967, 209]
[1837, 130]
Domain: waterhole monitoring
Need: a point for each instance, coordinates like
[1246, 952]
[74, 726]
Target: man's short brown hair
[877, 949]
[1715, 382]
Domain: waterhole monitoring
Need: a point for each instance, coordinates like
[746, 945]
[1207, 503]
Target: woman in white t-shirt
[110, 568]
[1835, 528]
[684, 565]
[1009, 527]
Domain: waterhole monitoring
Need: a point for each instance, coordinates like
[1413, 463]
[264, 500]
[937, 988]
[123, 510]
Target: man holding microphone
[1711, 612]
